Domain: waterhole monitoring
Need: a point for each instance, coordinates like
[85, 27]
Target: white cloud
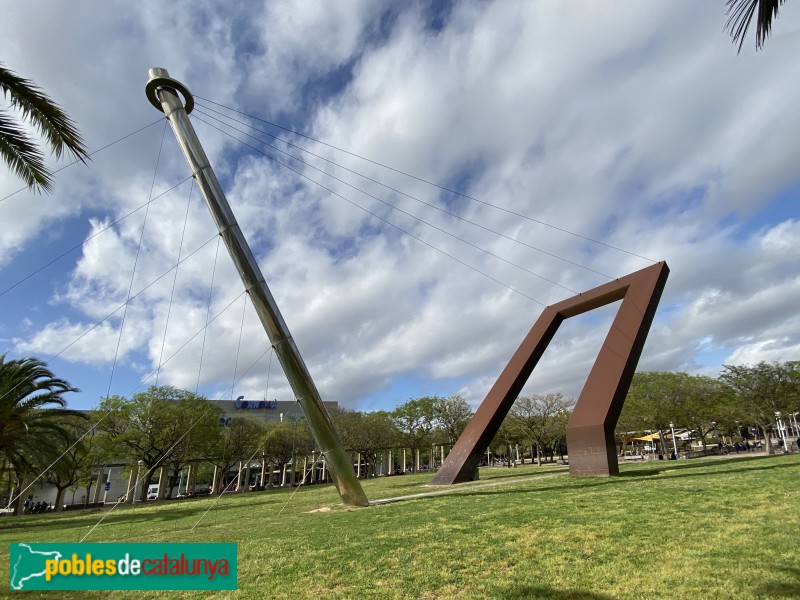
[638, 126]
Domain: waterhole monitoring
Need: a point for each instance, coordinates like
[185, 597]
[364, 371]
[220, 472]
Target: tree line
[743, 402]
[166, 427]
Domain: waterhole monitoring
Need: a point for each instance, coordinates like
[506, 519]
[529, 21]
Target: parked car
[152, 492]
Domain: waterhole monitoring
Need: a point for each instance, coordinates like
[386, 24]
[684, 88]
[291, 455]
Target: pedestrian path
[467, 488]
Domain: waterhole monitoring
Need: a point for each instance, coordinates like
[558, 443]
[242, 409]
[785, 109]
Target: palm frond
[32, 409]
[740, 15]
[23, 156]
[52, 122]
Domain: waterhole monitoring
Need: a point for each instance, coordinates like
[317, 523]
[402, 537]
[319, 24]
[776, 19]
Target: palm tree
[740, 15]
[17, 148]
[31, 413]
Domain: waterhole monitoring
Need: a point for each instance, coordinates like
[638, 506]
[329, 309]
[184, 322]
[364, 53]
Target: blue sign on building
[241, 403]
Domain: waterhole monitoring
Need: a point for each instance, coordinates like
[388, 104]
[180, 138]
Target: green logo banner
[93, 566]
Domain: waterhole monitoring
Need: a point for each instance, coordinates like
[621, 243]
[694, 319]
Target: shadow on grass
[527, 591]
[550, 488]
[699, 463]
[151, 512]
[746, 469]
[783, 589]
[513, 472]
[590, 482]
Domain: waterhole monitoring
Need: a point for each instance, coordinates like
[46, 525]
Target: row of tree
[166, 427]
[742, 402]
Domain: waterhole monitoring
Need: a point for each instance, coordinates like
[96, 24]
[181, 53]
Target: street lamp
[674, 443]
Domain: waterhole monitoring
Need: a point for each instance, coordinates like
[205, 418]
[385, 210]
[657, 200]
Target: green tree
[415, 419]
[541, 420]
[239, 441]
[762, 390]
[660, 399]
[702, 404]
[452, 415]
[204, 427]
[653, 402]
[507, 436]
[740, 16]
[77, 463]
[19, 151]
[368, 434]
[557, 441]
[32, 415]
[151, 425]
[287, 442]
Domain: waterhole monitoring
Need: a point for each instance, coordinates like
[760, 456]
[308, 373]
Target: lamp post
[714, 428]
[674, 443]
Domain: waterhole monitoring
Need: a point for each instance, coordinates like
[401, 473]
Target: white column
[162, 482]
[215, 482]
[246, 485]
[98, 486]
[131, 489]
[105, 492]
[190, 477]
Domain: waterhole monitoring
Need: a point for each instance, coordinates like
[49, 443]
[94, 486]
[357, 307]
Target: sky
[571, 143]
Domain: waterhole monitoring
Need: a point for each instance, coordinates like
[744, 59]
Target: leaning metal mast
[162, 91]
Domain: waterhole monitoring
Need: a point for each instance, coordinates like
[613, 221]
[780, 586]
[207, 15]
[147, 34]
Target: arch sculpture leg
[590, 432]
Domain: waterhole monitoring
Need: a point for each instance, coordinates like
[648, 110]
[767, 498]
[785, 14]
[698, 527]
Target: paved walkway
[467, 488]
[489, 484]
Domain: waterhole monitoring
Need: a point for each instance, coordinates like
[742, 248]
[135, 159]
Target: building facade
[268, 411]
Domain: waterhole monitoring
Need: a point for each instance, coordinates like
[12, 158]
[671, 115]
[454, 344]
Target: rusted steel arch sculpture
[590, 432]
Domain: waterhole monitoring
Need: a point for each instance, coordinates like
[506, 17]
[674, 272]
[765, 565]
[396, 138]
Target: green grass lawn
[702, 529]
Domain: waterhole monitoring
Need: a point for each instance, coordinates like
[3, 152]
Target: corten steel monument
[162, 91]
[590, 432]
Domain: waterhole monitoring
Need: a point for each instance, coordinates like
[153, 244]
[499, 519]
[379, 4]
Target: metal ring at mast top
[157, 82]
